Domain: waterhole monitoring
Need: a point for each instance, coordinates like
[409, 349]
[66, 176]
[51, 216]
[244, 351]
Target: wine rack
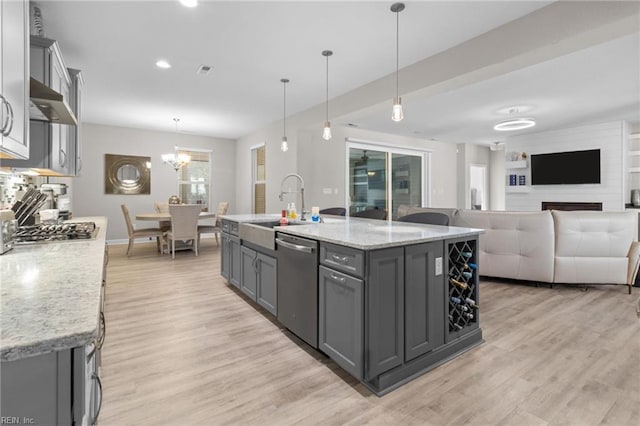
[463, 305]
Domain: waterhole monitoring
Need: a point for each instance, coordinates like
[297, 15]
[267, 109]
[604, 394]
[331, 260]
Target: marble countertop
[252, 218]
[364, 234]
[50, 294]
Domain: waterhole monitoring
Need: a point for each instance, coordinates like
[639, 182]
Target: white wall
[469, 154]
[496, 180]
[322, 164]
[89, 198]
[608, 137]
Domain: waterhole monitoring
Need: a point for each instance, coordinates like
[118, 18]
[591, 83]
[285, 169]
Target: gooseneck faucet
[282, 192]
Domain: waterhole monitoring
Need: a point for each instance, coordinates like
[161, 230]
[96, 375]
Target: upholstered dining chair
[141, 233]
[430, 218]
[371, 214]
[216, 228]
[165, 225]
[184, 225]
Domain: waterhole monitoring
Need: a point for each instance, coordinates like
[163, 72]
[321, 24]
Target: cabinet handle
[95, 377]
[337, 278]
[62, 156]
[8, 131]
[5, 121]
[93, 351]
[79, 164]
[341, 259]
[106, 252]
[103, 329]
[255, 263]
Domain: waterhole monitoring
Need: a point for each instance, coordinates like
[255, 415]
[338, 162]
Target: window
[194, 179]
[258, 159]
[384, 177]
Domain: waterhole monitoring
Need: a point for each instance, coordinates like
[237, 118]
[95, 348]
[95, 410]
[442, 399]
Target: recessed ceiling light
[204, 69]
[515, 109]
[163, 64]
[514, 124]
[189, 3]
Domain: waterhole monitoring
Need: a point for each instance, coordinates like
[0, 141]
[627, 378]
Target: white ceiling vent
[204, 69]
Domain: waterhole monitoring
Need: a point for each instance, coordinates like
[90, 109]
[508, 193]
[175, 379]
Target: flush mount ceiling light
[326, 131]
[514, 124]
[284, 146]
[397, 114]
[189, 3]
[163, 64]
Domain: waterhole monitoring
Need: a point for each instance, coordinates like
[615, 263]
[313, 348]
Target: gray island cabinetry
[52, 312]
[395, 300]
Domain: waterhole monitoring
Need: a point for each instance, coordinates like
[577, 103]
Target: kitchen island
[387, 301]
[52, 317]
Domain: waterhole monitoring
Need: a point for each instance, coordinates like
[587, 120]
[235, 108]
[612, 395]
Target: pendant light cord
[284, 113]
[327, 97]
[397, 52]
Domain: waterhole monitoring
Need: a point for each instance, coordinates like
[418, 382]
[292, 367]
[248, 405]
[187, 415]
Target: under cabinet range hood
[49, 105]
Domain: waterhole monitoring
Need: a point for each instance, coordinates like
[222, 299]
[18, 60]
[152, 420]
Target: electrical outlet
[438, 266]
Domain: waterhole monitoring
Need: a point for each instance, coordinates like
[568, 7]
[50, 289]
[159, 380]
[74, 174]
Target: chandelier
[176, 161]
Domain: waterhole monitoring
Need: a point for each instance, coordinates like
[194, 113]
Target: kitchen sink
[262, 233]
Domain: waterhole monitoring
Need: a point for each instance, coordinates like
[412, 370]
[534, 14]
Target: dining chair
[336, 211]
[371, 214]
[141, 233]
[216, 228]
[429, 218]
[184, 225]
[165, 225]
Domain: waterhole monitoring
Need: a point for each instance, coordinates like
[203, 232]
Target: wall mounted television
[566, 168]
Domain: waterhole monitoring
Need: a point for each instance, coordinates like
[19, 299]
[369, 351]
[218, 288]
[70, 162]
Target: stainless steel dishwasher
[298, 286]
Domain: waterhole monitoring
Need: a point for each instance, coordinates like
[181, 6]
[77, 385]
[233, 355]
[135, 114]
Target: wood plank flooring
[185, 348]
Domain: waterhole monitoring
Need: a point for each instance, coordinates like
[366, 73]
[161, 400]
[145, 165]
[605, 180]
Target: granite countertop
[364, 234]
[50, 294]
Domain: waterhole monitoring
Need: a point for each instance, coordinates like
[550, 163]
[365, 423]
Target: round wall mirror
[127, 174]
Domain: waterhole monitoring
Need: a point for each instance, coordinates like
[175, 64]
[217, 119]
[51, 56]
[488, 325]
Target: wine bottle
[459, 284]
[457, 301]
[472, 303]
[466, 265]
[468, 315]
[457, 326]
[466, 254]
[467, 274]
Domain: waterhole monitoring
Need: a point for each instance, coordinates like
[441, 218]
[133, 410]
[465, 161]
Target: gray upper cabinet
[424, 299]
[14, 77]
[75, 102]
[50, 149]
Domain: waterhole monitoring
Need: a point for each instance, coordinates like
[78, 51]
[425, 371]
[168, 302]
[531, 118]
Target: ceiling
[252, 45]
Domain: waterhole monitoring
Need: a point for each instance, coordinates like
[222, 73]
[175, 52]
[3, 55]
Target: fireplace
[570, 205]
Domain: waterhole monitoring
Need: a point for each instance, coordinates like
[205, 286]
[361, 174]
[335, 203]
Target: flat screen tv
[566, 168]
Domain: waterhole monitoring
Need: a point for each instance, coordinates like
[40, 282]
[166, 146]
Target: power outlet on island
[438, 266]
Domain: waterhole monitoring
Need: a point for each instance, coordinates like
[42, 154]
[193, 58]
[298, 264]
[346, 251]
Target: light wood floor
[183, 348]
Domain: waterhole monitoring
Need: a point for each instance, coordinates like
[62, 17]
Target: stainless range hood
[48, 105]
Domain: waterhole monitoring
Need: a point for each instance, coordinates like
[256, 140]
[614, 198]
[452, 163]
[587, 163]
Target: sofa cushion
[517, 245]
[592, 247]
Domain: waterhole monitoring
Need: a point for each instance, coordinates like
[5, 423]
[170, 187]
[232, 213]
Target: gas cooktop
[68, 231]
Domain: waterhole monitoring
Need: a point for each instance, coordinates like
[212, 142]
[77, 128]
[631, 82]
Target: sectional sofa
[571, 247]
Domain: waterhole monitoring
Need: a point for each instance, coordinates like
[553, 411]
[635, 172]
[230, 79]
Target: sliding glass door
[383, 178]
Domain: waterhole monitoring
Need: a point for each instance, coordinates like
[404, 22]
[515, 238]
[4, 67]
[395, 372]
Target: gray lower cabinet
[230, 258]
[340, 319]
[61, 388]
[259, 278]
[249, 272]
[384, 311]
[424, 299]
[267, 290]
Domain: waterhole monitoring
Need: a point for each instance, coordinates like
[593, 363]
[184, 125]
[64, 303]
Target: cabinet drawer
[230, 227]
[343, 259]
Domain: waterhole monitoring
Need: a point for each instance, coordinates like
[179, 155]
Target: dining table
[167, 216]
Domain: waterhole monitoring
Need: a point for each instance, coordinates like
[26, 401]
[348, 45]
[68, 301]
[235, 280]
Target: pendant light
[326, 131]
[397, 114]
[284, 146]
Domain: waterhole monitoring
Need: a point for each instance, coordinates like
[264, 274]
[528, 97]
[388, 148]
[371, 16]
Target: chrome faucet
[282, 192]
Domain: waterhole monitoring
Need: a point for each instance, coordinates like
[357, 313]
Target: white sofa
[574, 247]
